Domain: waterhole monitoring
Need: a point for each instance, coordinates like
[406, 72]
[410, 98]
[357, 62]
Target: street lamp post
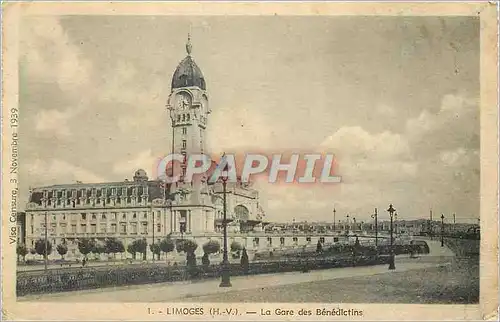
[396, 224]
[376, 227]
[225, 278]
[153, 215]
[46, 243]
[442, 230]
[334, 213]
[391, 211]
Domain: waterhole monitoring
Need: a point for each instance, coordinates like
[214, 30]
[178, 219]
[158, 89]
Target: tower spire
[189, 47]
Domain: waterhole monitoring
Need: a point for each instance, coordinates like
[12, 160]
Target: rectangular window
[269, 241]
[308, 239]
[256, 241]
[158, 228]
[144, 228]
[184, 130]
[295, 240]
[184, 144]
[73, 229]
[133, 228]
[32, 229]
[182, 222]
[93, 228]
[84, 216]
[83, 228]
[322, 240]
[113, 228]
[282, 241]
[123, 228]
[145, 215]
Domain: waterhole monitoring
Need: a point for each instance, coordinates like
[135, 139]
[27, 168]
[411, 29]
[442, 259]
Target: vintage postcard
[249, 161]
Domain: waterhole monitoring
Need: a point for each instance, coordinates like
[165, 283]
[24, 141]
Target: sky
[396, 99]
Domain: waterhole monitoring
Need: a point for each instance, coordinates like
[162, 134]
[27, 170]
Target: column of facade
[189, 222]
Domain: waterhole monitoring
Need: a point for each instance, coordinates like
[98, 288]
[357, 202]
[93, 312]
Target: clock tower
[192, 209]
[188, 107]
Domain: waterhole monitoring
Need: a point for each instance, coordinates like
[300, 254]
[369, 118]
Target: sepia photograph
[192, 158]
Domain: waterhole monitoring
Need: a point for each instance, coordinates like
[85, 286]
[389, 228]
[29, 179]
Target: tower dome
[140, 175]
[188, 73]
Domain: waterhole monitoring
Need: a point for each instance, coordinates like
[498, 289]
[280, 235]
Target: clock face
[183, 101]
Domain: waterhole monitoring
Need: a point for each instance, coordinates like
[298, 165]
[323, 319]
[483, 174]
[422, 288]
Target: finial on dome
[189, 47]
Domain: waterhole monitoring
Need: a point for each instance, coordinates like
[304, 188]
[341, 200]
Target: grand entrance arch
[241, 213]
[242, 217]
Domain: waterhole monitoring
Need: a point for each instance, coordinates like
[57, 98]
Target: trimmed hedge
[90, 278]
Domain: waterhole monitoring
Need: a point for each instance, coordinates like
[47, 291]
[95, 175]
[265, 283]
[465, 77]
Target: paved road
[448, 284]
[182, 291]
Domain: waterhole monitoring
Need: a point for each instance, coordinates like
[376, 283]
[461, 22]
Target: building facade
[143, 208]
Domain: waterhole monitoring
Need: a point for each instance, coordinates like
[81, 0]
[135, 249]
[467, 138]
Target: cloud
[53, 122]
[237, 128]
[455, 157]
[386, 110]
[143, 160]
[363, 157]
[354, 141]
[454, 125]
[49, 56]
[58, 171]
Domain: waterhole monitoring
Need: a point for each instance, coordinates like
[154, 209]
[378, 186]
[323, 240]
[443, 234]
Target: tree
[319, 247]
[190, 247]
[155, 249]
[62, 250]
[109, 245]
[167, 245]
[119, 247]
[85, 246]
[244, 261]
[22, 251]
[131, 249]
[141, 246]
[113, 246]
[210, 247]
[40, 247]
[98, 249]
[236, 247]
[179, 245]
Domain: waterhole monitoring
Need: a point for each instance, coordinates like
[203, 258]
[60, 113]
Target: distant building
[21, 227]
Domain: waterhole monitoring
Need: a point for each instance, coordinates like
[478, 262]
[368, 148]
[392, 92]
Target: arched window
[241, 213]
